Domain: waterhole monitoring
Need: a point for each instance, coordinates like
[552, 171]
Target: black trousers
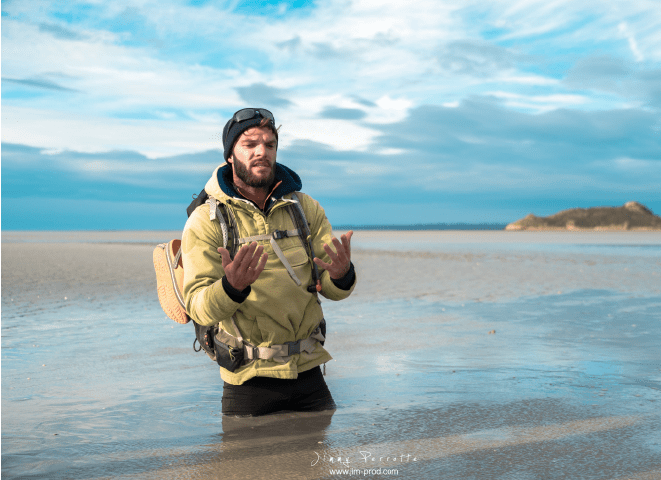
[262, 395]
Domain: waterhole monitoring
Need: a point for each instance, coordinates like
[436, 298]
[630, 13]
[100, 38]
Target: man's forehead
[256, 133]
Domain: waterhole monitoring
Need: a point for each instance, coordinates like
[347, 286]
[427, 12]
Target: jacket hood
[220, 184]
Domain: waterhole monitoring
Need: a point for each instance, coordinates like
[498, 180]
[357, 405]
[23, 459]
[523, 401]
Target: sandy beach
[469, 355]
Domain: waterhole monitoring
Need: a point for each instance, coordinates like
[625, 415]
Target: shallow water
[102, 385]
[489, 241]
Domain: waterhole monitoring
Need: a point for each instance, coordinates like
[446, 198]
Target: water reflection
[251, 447]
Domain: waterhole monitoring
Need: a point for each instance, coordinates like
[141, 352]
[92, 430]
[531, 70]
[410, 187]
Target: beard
[251, 180]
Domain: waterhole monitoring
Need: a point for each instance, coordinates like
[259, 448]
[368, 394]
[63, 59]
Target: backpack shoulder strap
[301, 221]
[216, 213]
[297, 213]
[224, 215]
[297, 216]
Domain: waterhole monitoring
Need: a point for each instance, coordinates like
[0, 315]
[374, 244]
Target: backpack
[169, 267]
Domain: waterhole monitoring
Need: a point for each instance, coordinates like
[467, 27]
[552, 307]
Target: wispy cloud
[475, 58]
[259, 94]
[615, 75]
[61, 32]
[343, 113]
[36, 83]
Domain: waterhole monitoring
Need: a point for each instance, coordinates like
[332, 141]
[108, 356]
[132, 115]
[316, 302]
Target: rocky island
[630, 216]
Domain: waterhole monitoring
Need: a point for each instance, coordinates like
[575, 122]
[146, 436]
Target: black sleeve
[345, 282]
[236, 295]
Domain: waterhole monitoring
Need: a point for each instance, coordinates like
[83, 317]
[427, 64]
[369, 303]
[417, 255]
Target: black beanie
[231, 134]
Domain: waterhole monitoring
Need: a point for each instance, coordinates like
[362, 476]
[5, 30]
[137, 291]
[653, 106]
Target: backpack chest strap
[276, 248]
[278, 234]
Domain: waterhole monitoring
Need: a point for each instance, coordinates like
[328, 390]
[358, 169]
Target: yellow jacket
[277, 309]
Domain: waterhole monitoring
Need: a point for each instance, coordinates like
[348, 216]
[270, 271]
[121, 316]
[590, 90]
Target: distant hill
[630, 216]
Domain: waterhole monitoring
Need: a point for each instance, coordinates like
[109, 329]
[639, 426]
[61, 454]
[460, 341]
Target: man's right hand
[248, 264]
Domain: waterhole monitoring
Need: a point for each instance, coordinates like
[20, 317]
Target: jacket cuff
[345, 282]
[237, 296]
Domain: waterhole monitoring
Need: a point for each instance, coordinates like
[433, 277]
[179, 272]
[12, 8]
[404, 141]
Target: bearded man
[264, 299]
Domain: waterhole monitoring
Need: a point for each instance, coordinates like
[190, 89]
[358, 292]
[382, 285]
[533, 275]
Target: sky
[459, 111]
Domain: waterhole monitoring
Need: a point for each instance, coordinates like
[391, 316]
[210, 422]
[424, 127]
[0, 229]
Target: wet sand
[98, 383]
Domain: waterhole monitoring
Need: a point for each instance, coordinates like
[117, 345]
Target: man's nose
[260, 150]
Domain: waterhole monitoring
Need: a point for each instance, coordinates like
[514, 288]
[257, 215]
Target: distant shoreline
[413, 228]
[437, 226]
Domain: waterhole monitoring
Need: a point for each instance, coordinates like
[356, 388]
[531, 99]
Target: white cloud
[539, 103]
[391, 109]
[633, 44]
[341, 135]
[533, 80]
[110, 166]
[93, 134]
[391, 151]
[636, 164]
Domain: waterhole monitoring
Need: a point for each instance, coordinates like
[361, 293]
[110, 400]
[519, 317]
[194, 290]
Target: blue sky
[452, 111]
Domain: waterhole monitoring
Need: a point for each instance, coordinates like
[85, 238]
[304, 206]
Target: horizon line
[412, 227]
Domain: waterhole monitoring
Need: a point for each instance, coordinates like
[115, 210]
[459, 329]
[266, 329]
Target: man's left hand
[340, 261]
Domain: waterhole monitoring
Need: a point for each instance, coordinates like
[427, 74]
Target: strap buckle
[278, 234]
[252, 352]
[293, 347]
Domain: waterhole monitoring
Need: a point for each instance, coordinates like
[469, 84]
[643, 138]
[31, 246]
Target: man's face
[253, 159]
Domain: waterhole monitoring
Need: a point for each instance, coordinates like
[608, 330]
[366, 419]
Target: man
[265, 298]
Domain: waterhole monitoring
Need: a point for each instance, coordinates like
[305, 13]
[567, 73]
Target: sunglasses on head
[250, 113]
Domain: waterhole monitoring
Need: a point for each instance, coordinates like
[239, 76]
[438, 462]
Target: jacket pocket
[294, 253]
[296, 256]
